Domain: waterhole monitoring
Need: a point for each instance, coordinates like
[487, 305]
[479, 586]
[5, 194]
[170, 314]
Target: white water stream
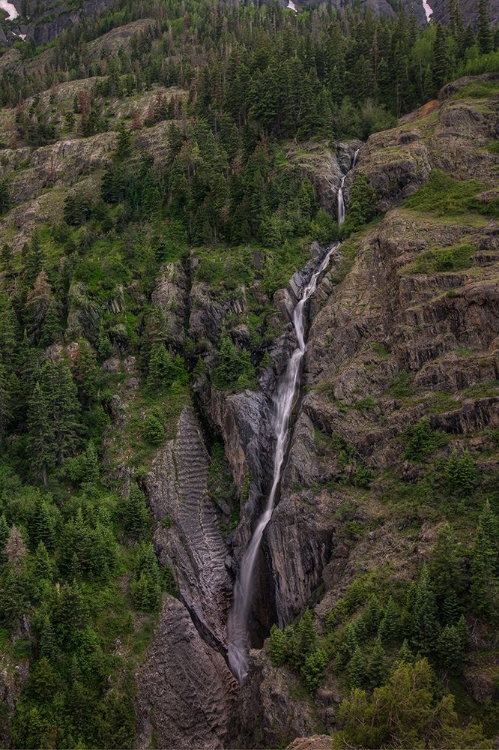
[10, 9]
[238, 616]
[341, 200]
[428, 10]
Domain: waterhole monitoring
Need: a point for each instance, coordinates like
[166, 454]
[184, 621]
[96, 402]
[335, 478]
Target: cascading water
[284, 400]
[341, 201]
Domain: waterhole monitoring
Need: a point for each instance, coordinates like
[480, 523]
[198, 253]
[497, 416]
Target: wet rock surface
[185, 691]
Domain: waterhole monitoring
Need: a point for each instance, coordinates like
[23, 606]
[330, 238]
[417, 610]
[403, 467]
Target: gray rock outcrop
[185, 689]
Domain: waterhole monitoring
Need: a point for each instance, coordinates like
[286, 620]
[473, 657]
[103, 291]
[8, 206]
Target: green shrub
[154, 430]
[443, 194]
[442, 259]
[421, 440]
[460, 472]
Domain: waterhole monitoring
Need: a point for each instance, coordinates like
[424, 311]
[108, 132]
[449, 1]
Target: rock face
[170, 297]
[266, 713]
[376, 321]
[188, 535]
[440, 329]
[184, 689]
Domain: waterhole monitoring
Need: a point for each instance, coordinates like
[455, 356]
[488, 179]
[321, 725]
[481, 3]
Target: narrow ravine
[284, 401]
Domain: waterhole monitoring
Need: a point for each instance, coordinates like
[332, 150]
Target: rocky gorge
[177, 181]
[375, 317]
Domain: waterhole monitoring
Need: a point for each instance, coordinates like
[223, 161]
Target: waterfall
[341, 201]
[10, 9]
[284, 400]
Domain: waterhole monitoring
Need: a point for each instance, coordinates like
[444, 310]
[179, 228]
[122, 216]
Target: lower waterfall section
[237, 626]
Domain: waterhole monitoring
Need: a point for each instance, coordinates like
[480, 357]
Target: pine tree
[277, 646]
[63, 408]
[484, 589]
[389, 629]
[4, 531]
[41, 435]
[445, 564]
[450, 651]
[358, 669]
[373, 616]
[42, 567]
[146, 594]
[461, 473]
[162, 369]
[5, 401]
[34, 260]
[38, 301]
[48, 643]
[4, 197]
[451, 609]
[425, 624]
[378, 666]
[42, 682]
[350, 641]
[136, 516]
[91, 470]
[405, 653]
[51, 327]
[313, 669]
[485, 39]
[42, 529]
[440, 58]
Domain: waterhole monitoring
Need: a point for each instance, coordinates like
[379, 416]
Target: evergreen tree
[441, 64]
[358, 669]
[63, 408]
[425, 624]
[378, 665]
[450, 650]
[485, 39]
[445, 565]
[277, 646]
[461, 473]
[146, 594]
[389, 629]
[41, 435]
[48, 643]
[484, 589]
[313, 669]
[42, 529]
[4, 197]
[42, 567]
[5, 401]
[4, 531]
[136, 516]
[405, 654]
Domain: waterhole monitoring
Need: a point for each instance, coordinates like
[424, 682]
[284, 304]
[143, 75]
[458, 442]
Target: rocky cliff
[387, 312]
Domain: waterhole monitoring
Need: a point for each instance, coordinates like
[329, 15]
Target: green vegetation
[198, 213]
[398, 645]
[455, 258]
[443, 194]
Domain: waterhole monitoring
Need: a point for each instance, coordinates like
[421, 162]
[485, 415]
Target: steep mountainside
[171, 177]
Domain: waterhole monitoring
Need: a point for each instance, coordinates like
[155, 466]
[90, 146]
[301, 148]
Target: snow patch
[291, 6]
[428, 10]
[9, 9]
